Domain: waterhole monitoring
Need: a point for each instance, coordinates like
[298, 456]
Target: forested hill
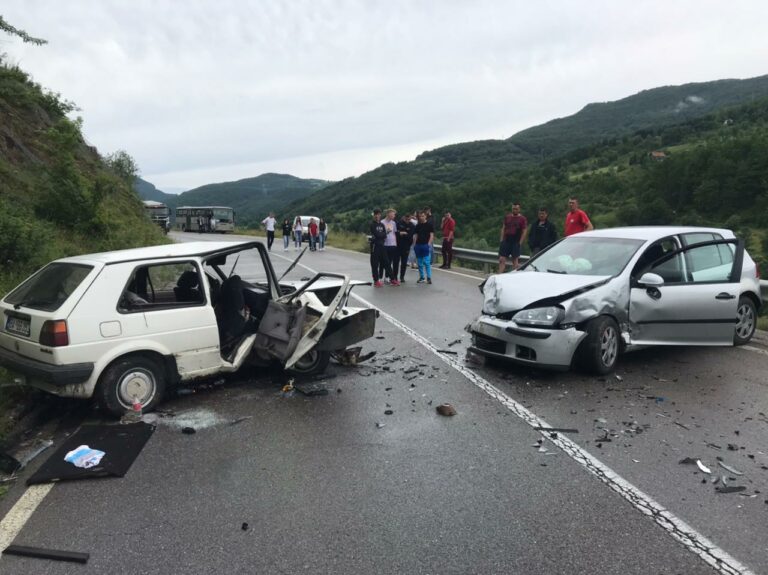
[252, 198]
[442, 169]
[58, 196]
[706, 171]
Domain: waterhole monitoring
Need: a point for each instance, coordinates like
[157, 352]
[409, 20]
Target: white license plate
[18, 326]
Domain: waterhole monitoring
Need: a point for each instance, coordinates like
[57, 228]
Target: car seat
[187, 289]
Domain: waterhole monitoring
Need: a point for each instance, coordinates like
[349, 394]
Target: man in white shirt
[269, 222]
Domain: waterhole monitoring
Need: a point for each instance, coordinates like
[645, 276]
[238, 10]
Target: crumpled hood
[321, 284]
[517, 290]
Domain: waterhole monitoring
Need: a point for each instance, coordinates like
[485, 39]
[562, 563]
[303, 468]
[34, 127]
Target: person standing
[323, 231]
[576, 220]
[313, 233]
[390, 243]
[298, 231]
[448, 227]
[286, 234]
[542, 233]
[412, 253]
[404, 243]
[378, 251]
[430, 220]
[269, 223]
[514, 230]
[424, 236]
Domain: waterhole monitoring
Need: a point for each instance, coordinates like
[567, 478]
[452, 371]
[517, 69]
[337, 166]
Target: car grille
[490, 344]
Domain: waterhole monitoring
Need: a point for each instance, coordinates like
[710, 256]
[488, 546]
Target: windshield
[49, 288]
[587, 256]
[222, 214]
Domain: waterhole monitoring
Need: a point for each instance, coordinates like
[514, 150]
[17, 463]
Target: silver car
[591, 296]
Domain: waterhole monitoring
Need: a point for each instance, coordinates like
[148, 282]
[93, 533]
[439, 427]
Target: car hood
[518, 290]
[323, 283]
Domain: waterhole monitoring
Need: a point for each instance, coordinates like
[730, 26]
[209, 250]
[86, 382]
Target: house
[658, 155]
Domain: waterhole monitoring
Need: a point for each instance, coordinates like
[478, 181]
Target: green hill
[436, 173]
[252, 198]
[58, 196]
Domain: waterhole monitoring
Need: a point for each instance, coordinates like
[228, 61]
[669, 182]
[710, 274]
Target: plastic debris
[681, 425]
[84, 457]
[388, 412]
[730, 489]
[688, 461]
[380, 425]
[448, 351]
[729, 469]
[244, 527]
[188, 430]
[311, 389]
[454, 342]
[733, 447]
[560, 429]
[446, 409]
[703, 467]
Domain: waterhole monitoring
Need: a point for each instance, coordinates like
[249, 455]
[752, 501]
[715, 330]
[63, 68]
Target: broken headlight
[539, 316]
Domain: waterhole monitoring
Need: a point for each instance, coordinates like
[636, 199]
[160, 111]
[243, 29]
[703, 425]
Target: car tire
[746, 321]
[134, 377]
[311, 363]
[599, 351]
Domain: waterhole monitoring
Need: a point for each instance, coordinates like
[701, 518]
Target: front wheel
[599, 351]
[746, 321]
[131, 379]
[311, 363]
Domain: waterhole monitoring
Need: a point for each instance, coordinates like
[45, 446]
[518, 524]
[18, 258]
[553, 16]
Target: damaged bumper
[544, 348]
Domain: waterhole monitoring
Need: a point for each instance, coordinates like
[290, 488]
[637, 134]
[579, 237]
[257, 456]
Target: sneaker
[420, 281]
[402, 280]
[394, 283]
[378, 283]
[429, 281]
[442, 267]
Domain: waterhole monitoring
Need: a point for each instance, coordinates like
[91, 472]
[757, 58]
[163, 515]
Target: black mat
[121, 445]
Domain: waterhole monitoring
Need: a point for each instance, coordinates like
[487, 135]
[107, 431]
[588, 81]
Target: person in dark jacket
[404, 242]
[287, 233]
[378, 251]
[542, 233]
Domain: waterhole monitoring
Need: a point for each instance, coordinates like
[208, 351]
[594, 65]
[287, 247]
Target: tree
[122, 164]
[8, 29]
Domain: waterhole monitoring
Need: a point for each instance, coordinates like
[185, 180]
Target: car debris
[41, 553]
[448, 351]
[244, 527]
[388, 412]
[560, 429]
[703, 467]
[728, 468]
[733, 447]
[446, 409]
[730, 489]
[454, 342]
[188, 430]
[352, 356]
[311, 389]
[241, 419]
[379, 425]
[682, 425]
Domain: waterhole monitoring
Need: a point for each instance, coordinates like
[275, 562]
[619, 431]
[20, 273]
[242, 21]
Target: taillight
[54, 333]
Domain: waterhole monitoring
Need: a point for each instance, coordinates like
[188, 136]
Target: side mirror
[650, 280]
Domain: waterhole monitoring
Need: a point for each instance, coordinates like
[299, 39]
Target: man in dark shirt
[542, 233]
[514, 230]
[378, 251]
[404, 241]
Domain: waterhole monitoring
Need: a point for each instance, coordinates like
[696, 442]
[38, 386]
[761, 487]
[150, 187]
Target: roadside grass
[762, 323]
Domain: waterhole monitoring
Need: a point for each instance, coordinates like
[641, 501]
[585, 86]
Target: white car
[127, 325]
[305, 226]
[593, 295]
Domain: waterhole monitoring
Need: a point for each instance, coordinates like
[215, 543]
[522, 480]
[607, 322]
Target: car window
[162, 286]
[712, 263]
[48, 289]
[654, 252]
[698, 237]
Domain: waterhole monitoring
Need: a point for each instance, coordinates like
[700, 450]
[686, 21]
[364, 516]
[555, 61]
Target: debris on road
[733, 447]
[703, 467]
[682, 425]
[240, 419]
[388, 412]
[351, 357]
[311, 389]
[728, 468]
[448, 351]
[380, 425]
[84, 457]
[688, 461]
[244, 527]
[454, 342]
[188, 430]
[41, 553]
[560, 429]
[446, 409]
[730, 489]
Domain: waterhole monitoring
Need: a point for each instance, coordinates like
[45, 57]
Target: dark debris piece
[188, 430]
[730, 489]
[310, 388]
[388, 412]
[560, 429]
[446, 409]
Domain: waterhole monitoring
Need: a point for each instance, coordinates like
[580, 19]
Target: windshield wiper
[557, 272]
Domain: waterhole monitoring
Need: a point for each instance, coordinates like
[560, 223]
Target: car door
[696, 305]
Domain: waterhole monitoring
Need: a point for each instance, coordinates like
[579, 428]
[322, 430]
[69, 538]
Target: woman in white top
[298, 230]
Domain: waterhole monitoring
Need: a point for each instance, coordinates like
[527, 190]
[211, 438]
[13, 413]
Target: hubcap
[306, 361]
[746, 321]
[609, 346]
[136, 385]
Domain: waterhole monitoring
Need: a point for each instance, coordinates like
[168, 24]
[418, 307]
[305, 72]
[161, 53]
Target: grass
[762, 323]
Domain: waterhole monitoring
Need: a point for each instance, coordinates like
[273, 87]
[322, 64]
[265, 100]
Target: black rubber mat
[121, 445]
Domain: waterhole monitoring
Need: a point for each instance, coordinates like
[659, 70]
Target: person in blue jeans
[424, 235]
[323, 229]
[298, 231]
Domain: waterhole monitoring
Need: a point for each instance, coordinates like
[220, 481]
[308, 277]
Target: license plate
[18, 326]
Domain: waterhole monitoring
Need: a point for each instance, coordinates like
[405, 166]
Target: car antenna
[232, 271]
[293, 265]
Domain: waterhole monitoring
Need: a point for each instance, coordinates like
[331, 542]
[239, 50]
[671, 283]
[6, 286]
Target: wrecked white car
[127, 325]
[594, 295]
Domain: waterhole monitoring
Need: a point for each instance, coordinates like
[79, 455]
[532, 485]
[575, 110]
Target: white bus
[206, 219]
[159, 214]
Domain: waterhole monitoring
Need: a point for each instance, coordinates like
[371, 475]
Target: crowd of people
[408, 242]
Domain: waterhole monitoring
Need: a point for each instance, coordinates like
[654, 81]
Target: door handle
[725, 295]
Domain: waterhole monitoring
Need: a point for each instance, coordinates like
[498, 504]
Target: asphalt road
[332, 484]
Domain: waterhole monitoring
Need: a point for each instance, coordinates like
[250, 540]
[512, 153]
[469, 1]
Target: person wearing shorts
[514, 231]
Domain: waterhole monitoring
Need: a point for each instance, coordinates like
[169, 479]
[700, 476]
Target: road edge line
[22, 510]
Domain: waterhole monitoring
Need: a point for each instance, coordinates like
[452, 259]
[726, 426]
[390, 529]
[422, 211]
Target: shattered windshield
[588, 256]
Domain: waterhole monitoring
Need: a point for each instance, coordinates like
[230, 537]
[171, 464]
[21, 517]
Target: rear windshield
[50, 287]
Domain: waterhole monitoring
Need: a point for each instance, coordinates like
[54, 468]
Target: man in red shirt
[576, 220]
[514, 230]
[449, 225]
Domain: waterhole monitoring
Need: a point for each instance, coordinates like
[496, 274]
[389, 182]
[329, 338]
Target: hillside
[58, 196]
[458, 165]
[252, 198]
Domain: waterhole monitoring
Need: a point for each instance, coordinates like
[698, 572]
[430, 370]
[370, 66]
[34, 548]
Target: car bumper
[544, 348]
[44, 373]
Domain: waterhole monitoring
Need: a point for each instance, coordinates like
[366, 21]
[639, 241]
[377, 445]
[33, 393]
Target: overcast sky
[208, 91]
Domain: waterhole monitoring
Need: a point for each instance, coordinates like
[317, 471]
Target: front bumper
[46, 373]
[504, 339]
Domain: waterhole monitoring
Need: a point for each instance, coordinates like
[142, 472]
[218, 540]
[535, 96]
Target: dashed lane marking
[691, 539]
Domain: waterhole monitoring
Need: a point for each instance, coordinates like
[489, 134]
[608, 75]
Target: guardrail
[491, 259]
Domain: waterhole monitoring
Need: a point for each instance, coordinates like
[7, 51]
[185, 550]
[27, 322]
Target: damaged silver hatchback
[591, 296]
[125, 326]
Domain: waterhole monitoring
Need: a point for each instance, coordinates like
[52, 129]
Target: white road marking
[20, 513]
[691, 539]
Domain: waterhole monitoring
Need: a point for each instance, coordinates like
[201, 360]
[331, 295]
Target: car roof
[181, 250]
[649, 233]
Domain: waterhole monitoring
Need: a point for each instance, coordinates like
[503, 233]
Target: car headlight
[539, 316]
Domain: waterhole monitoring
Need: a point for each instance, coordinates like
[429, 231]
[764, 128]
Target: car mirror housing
[651, 280]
